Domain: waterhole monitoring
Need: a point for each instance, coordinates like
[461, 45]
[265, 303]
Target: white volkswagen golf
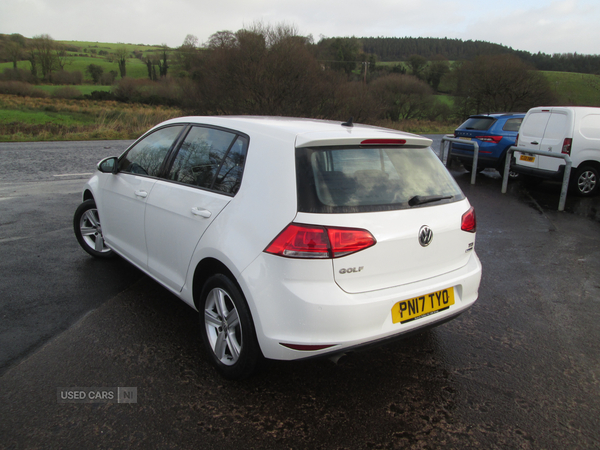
[293, 238]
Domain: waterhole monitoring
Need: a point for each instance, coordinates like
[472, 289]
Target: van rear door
[544, 129]
[557, 129]
[530, 136]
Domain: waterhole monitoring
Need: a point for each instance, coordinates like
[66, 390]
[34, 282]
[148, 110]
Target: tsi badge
[425, 236]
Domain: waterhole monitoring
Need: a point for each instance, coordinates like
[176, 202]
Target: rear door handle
[142, 194]
[201, 212]
[534, 143]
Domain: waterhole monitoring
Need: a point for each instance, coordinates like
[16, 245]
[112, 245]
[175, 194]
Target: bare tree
[42, 52]
[14, 48]
[418, 65]
[186, 53]
[221, 39]
[163, 65]
[121, 55]
[260, 70]
[402, 96]
[438, 67]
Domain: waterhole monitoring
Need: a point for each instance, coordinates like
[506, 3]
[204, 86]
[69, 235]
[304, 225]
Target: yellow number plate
[527, 158]
[464, 138]
[415, 307]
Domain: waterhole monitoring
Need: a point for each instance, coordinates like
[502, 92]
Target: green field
[80, 60]
[47, 119]
[575, 88]
[135, 67]
[44, 117]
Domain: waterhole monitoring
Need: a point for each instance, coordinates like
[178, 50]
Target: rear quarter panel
[265, 204]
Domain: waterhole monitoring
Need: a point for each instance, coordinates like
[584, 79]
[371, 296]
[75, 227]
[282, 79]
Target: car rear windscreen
[347, 180]
[477, 123]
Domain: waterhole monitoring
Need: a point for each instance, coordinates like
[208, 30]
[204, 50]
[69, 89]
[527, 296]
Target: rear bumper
[485, 158]
[318, 312]
[538, 173]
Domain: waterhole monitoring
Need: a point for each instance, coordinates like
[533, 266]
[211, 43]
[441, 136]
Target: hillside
[400, 49]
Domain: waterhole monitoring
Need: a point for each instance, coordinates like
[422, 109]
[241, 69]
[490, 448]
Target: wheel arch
[590, 162]
[87, 195]
[206, 269]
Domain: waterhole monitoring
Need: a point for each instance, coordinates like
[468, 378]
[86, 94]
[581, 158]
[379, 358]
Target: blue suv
[494, 133]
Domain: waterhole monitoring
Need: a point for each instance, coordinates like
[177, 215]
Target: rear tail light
[494, 139]
[313, 242]
[469, 222]
[566, 148]
[517, 140]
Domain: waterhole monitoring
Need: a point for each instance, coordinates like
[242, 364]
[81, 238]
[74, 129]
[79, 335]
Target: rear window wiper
[419, 200]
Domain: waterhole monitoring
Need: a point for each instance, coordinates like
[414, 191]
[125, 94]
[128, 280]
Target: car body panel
[294, 310]
[176, 218]
[122, 206]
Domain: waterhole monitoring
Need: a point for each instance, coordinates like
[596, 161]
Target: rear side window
[512, 124]
[477, 123]
[346, 180]
[210, 158]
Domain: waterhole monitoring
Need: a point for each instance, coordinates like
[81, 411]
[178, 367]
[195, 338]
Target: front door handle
[142, 194]
[201, 212]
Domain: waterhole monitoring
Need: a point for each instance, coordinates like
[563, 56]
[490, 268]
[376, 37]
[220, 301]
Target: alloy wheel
[91, 231]
[223, 326]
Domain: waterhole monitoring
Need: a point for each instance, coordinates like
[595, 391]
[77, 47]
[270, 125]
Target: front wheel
[585, 181]
[88, 230]
[227, 329]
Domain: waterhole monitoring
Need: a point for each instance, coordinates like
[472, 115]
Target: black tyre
[584, 180]
[511, 175]
[469, 168]
[88, 230]
[227, 329]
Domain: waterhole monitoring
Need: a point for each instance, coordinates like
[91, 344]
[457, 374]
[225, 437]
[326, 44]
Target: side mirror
[109, 165]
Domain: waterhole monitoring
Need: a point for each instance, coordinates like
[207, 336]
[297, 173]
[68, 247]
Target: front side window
[210, 159]
[345, 180]
[146, 156]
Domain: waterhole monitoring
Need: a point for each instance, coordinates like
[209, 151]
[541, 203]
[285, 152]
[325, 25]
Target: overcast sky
[560, 26]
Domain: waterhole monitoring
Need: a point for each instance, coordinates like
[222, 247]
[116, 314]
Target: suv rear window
[477, 123]
[346, 180]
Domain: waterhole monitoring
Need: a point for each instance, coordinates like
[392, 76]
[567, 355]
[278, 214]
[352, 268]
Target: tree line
[401, 49]
[273, 70]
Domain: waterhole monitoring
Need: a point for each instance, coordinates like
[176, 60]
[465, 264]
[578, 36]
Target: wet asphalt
[520, 369]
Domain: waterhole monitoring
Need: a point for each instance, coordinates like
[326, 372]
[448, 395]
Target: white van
[574, 131]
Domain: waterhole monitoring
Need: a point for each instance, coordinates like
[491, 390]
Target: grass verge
[25, 119]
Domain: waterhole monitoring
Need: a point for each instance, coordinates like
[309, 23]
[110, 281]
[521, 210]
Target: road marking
[73, 174]
[2, 241]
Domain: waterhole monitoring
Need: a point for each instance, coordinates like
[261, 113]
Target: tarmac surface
[520, 369]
